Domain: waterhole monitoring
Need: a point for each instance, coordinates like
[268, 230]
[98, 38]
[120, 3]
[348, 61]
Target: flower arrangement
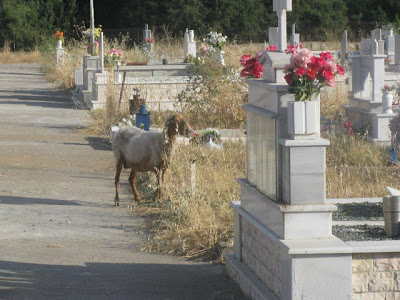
[97, 32]
[149, 40]
[210, 135]
[113, 57]
[347, 125]
[307, 74]
[216, 40]
[252, 68]
[59, 36]
[388, 88]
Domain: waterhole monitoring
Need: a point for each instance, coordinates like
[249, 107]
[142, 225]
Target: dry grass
[332, 100]
[192, 224]
[20, 57]
[357, 168]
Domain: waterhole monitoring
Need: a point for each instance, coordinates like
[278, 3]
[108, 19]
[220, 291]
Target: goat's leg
[132, 182]
[117, 174]
[160, 181]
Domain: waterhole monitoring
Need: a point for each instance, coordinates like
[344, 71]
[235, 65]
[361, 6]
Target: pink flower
[301, 46]
[300, 71]
[288, 78]
[326, 55]
[340, 70]
[244, 59]
[271, 48]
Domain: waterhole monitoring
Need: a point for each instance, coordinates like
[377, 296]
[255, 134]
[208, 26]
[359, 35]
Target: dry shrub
[213, 99]
[62, 76]
[192, 225]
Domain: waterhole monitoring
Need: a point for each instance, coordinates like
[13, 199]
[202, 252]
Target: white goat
[144, 151]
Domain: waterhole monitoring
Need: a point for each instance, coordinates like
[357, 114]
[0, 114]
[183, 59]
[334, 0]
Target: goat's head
[176, 124]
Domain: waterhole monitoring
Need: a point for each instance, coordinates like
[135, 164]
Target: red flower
[288, 78]
[252, 67]
[328, 75]
[257, 70]
[291, 49]
[244, 59]
[301, 46]
[340, 70]
[311, 73]
[300, 71]
[318, 63]
[271, 48]
[326, 55]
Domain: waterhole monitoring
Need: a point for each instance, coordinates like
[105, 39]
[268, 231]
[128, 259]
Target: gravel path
[60, 236]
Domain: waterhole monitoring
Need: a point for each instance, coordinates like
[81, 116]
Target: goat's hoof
[139, 200]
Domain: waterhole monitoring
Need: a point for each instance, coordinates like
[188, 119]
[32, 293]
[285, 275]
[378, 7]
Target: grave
[390, 45]
[365, 110]
[190, 43]
[60, 54]
[283, 242]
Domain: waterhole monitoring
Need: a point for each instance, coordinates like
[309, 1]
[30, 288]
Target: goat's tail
[113, 131]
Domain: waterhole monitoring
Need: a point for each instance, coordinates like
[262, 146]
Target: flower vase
[387, 101]
[118, 77]
[304, 118]
[221, 57]
[59, 44]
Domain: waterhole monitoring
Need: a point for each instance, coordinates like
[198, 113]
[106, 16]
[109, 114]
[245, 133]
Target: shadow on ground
[118, 281]
[30, 201]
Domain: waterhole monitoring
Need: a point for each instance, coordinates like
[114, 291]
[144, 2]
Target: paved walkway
[60, 236]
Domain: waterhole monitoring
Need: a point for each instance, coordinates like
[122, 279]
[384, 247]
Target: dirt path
[60, 236]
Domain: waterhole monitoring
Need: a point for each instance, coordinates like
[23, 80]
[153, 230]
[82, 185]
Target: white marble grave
[190, 43]
[365, 110]
[283, 242]
[390, 45]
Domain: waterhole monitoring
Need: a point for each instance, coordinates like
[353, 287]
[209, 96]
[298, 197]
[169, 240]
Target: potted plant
[218, 42]
[387, 98]
[306, 75]
[59, 36]
[113, 58]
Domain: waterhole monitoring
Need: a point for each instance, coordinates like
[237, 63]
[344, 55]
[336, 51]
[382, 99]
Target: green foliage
[25, 22]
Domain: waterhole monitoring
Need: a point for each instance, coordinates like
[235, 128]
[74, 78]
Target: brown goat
[144, 151]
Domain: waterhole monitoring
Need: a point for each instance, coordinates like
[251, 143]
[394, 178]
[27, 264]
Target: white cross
[281, 7]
